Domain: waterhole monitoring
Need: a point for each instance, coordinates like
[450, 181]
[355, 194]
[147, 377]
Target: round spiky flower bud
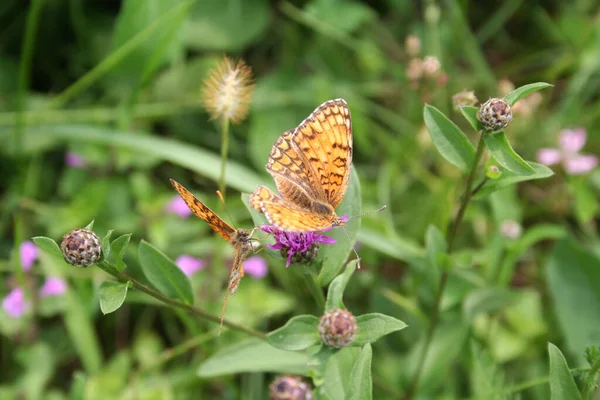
[289, 387]
[301, 258]
[338, 328]
[81, 248]
[495, 114]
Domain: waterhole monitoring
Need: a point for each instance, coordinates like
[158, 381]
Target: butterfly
[240, 239]
[311, 168]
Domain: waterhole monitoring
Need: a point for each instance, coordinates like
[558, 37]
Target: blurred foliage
[118, 83]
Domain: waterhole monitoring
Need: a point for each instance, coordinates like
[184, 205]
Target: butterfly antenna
[368, 213]
[225, 208]
[353, 248]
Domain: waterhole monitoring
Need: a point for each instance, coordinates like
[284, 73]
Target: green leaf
[90, 226]
[523, 91]
[106, 244]
[338, 369]
[509, 178]
[436, 246]
[470, 114]
[317, 363]
[335, 293]
[373, 326]
[450, 141]
[486, 300]
[573, 276]
[48, 245]
[112, 295]
[498, 145]
[164, 274]
[253, 355]
[118, 249]
[360, 383]
[298, 333]
[334, 256]
[562, 384]
[586, 205]
[487, 379]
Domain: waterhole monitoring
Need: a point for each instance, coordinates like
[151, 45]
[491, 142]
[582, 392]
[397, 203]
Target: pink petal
[177, 206]
[549, 156]
[189, 265]
[256, 267]
[572, 140]
[580, 164]
[75, 160]
[53, 287]
[14, 303]
[28, 253]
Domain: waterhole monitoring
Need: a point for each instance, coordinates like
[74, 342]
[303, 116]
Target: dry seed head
[338, 328]
[289, 387]
[495, 114]
[81, 248]
[227, 90]
[431, 66]
[464, 98]
[412, 45]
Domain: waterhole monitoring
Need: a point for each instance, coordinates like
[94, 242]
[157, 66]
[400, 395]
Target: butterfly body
[311, 168]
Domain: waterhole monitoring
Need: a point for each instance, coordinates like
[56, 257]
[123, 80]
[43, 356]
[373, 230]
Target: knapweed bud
[228, 91]
[431, 66]
[464, 99]
[338, 328]
[81, 248]
[289, 387]
[495, 114]
[493, 172]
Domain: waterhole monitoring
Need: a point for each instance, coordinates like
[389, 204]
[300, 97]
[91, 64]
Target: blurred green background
[118, 84]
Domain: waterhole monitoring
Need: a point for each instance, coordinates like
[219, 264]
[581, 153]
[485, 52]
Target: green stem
[224, 153]
[314, 288]
[123, 277]
[450, 239]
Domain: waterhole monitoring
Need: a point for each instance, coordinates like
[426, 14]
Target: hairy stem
[450, 239]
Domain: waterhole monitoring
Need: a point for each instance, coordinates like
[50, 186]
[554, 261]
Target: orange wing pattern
[325, 141]
[202, 211]
[286, 215]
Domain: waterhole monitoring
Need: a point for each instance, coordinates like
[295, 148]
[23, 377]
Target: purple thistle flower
[570, 142]
[256, 267]
[14, 303]
[53, 287]
[177, 206]
[28, 252]
[75, 160]
[189, 265]
[293, 243]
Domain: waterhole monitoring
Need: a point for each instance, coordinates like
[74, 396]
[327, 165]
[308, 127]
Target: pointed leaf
[523, 91]
[486, 300]
[335, 293]
[90, 226]
[470, 114]
[112, 295]
[298, 333]
[373, 326]
[509, 178]
[562, 384]
[499, 146]
[164, 274]
[450, 141]
[361, 383]
[106, 245]
[48, 245]
[337, 373]
[118, 249]
[253, 355]
[436, 245]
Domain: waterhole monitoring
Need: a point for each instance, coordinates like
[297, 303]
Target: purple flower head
[293, 243]
[256, 267]
[75, 160]
[29, 253]
[53, 287]
[570, 142]
[14, 303]
[177, 206]
[189, 265]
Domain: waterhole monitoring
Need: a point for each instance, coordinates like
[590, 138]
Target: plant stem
[123, 277]
[224, 153]
[315, 289]
[450, 239]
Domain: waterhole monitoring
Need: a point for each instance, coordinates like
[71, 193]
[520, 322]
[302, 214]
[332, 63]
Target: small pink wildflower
[28, 252]
[14, 303]
[256, 267]
[177, 206]
[53, 286]
[189, 265]
[570, 142]
[293, 243]
[75, 160]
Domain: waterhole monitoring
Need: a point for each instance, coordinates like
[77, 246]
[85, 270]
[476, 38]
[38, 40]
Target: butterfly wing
[202, 211]
[286, 215]
[324, 142]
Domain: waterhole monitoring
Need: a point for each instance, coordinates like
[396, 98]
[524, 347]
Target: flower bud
[81, 248]
[289, 387]
[463, 99]
[412, 45]
[338, 328]
[495, 114]
[493, 172]
[431, 66]
[510, 229]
